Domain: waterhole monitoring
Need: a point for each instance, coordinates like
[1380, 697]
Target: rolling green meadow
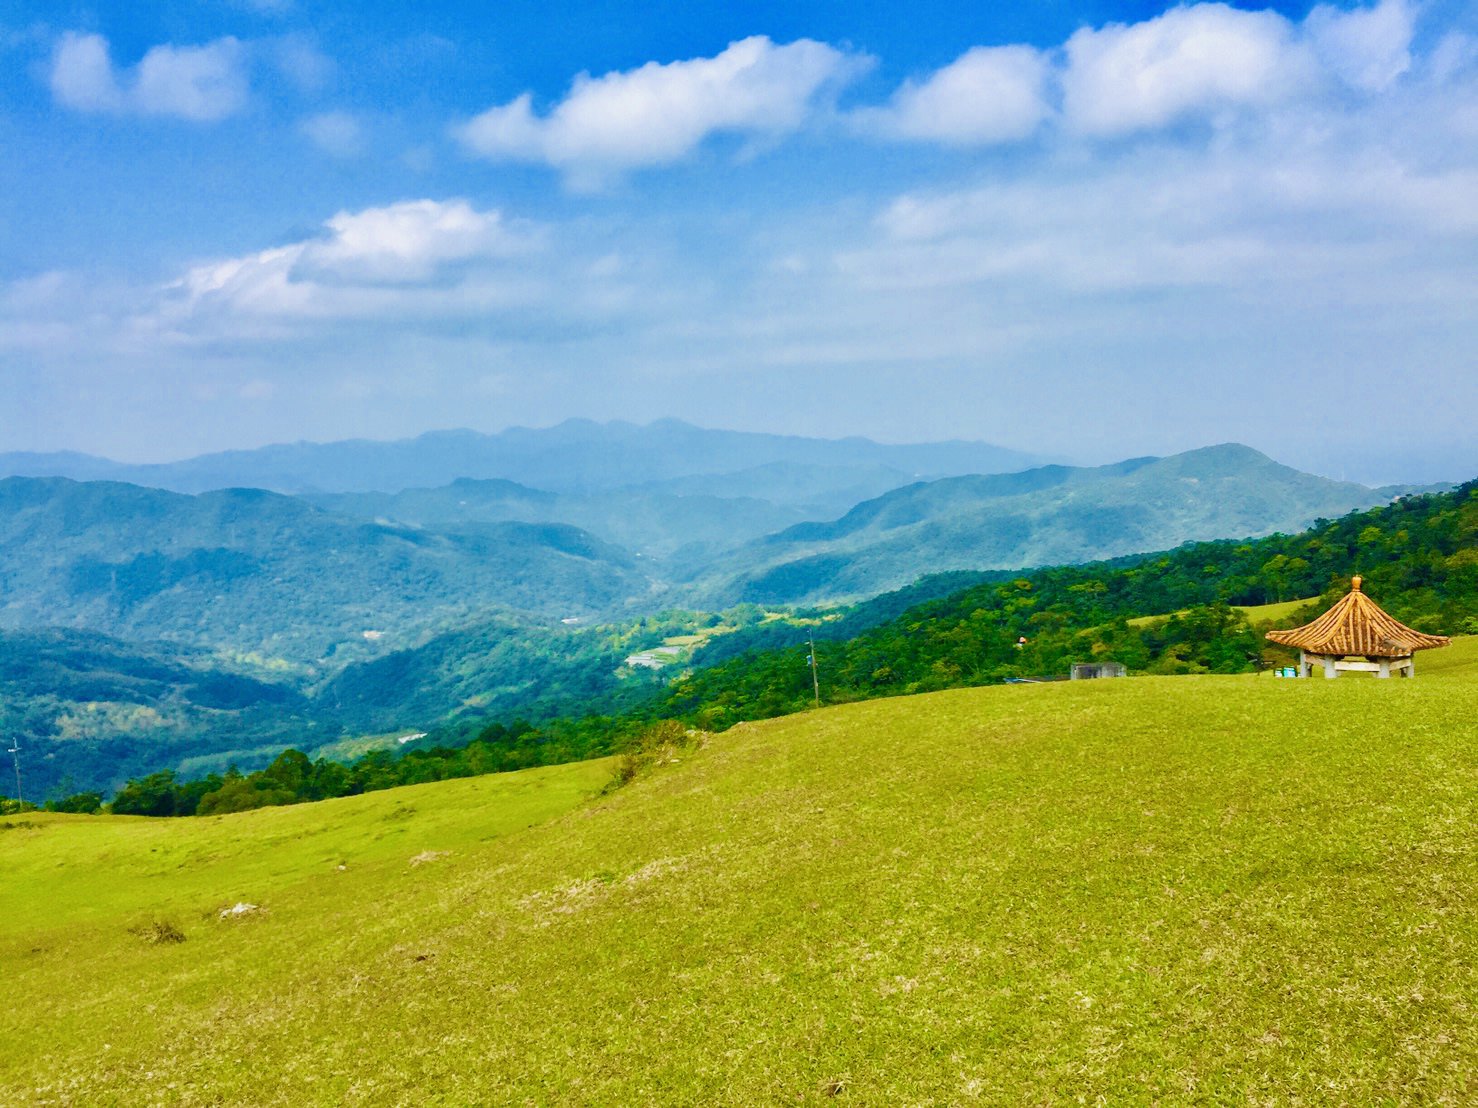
[1176, 889]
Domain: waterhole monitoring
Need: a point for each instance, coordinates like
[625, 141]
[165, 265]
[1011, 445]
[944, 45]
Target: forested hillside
[256, 572]
[1049, 516]
[1419, 557]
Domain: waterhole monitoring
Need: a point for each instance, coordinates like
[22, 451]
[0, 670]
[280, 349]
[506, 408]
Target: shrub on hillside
[659, 743]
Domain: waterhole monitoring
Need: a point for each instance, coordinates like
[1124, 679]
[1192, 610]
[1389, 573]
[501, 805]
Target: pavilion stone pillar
[1304, 668]
[1385, 668]
[1331, 670]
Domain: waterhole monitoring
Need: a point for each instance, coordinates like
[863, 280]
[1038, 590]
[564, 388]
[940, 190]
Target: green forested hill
[256, 572]
[89, 710]
[1048, 516]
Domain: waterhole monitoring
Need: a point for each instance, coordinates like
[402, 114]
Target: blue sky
[1087, 229]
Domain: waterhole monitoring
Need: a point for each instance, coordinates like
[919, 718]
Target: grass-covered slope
[1210, 889]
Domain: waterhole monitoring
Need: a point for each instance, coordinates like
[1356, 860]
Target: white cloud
[409, 240]
[1333, 222]
[82, 74]
[336, 133]
[987, 95]
[1191, 60]
[201, 83]
[1368, 48]
[368, 262]
[658, 113]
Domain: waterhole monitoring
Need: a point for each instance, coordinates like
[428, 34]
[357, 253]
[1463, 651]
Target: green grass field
[1274, 614]
[1192, 889]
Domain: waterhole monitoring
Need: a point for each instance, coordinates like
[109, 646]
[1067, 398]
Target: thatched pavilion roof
[1357, 625]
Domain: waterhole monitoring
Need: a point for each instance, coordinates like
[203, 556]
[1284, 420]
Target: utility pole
[15, 753]
[815, 680]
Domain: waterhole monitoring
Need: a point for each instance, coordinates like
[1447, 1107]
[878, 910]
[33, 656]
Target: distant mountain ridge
[1045, 516]
[577, 456]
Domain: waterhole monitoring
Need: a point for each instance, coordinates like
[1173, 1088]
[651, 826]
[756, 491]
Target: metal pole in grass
[15, 753]
[811, 658]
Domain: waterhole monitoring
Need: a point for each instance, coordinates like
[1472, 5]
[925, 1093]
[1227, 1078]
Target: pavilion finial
[1355, 583]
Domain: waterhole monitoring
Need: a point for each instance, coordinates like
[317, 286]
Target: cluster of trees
[81, 803]
[294, 778]
[1419, 557]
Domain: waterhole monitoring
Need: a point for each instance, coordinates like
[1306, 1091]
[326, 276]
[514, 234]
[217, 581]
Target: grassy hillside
[1204, 888]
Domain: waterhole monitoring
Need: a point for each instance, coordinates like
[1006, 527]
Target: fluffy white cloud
[1190, 60]
[366, 262]
[988, 95]
[201, 83]
[658, 113]
[410, 240]
[1206, 60]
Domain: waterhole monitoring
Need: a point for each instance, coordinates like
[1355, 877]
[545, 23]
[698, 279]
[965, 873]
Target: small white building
[1087, 671]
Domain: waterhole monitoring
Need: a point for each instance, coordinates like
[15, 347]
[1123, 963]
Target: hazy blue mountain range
[574, 456]
[814, 490]
[646, 521]
[1044, 516]
[260, 572]
[255, 571]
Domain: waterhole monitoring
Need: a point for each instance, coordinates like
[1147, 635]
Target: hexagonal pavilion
[1356, 634]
